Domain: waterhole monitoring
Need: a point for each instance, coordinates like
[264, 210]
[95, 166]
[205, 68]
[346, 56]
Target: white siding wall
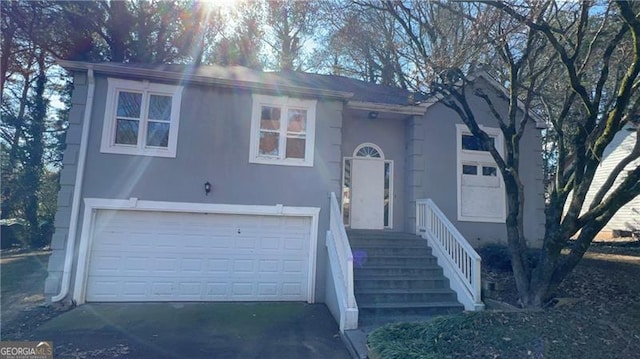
[628, 217]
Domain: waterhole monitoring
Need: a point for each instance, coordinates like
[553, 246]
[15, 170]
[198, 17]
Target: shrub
[498, 257]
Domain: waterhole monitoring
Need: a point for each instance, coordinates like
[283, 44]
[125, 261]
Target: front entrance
[367, 186]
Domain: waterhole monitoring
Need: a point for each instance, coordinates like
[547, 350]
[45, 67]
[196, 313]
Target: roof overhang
[164, 75]
[381, 107]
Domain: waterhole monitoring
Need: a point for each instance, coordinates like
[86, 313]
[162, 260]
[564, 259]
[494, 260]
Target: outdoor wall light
[207, 188]
[373, 115]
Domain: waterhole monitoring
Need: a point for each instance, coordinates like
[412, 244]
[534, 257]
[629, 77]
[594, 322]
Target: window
[480, 188]
[473, 143]
[141, 118]
[388, 205]
[346, 191]
[469, 170]
[368, 151]
[489, 171]
[282, 131]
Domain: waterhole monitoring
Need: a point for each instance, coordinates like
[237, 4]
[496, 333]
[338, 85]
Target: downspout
[77, 191]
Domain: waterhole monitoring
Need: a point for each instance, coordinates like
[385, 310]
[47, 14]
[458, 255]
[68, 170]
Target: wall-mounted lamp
[373, 115]
[207, 188]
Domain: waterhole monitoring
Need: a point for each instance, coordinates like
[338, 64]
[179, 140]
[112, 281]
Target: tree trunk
[7, 42]
[35, 152]
[515, 238]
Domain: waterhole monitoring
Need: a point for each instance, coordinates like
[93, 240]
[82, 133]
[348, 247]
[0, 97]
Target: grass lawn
[597, 316]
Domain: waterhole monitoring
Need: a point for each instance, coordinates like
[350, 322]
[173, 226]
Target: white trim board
[92, 205]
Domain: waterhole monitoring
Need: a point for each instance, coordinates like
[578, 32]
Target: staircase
[397, 279]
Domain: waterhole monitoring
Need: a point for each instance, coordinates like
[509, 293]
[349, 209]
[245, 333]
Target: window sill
[264, 161]
[481, 219]
[138, 152]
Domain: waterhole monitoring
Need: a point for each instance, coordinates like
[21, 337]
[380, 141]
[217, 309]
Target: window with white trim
[141, 118]
[282, 131]
[481, 196]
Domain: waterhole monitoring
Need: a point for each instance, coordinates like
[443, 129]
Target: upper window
[473, 143]
[282, 131]
[141, 118]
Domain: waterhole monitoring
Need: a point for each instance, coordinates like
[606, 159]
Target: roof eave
[152, 74]
[382, 107]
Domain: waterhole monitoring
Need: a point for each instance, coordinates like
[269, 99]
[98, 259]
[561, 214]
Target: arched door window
[368, 150]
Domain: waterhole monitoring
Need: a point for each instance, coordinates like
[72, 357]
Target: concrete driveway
[195, 330]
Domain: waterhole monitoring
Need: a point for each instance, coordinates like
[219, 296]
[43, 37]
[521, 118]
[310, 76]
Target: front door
[367, 192]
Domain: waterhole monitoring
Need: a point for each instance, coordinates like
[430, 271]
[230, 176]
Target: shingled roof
[238, 76]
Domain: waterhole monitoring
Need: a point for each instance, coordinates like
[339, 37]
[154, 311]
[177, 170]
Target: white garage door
[162, 256]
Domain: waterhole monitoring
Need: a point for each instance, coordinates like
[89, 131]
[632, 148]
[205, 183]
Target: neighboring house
[627, 220]
[185, 183]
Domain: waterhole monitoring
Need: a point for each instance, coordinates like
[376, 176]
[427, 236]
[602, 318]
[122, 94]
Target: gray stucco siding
[389, 135]
[439, 181]
[67, 185]
[213, 146]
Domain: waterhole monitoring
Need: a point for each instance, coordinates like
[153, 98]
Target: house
[626, 221]
[185, 183]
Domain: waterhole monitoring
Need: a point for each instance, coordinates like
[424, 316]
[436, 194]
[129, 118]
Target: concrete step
[393, 260]
[373, 272]
[377, 296]
[419, 242]
[400, 282]
[397, 278]
[380, 235]
[391, 251]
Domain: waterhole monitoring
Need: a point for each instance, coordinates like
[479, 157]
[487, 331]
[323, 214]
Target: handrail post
[351, 299]
[342, 271]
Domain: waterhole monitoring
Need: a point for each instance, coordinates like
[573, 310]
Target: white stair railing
[341, 263]
[460, 262]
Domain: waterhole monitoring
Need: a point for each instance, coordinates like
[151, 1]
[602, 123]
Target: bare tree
[578, 65]
[290, 25]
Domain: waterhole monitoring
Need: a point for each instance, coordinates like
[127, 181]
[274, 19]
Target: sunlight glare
[221, 3]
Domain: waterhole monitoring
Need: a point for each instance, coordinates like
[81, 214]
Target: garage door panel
[162, 288]
[292, 266]
[267, 289]
[291, 289]
[157, 256]
[269, 266]
[243, 266]
[218, 266]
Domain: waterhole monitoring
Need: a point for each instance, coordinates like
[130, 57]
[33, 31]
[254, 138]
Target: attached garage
[213, 254]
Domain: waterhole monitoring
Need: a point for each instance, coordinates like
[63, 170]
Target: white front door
[367, 197]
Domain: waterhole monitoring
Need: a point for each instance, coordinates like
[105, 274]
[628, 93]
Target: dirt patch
[22, 275]
[599, 299]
